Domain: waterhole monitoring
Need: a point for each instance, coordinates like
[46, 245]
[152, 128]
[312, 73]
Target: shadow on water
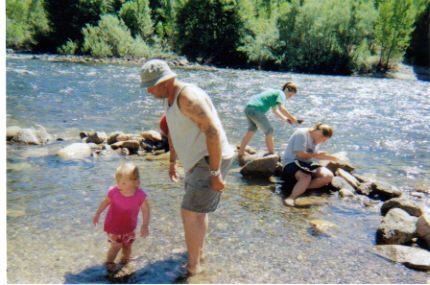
[159, 272]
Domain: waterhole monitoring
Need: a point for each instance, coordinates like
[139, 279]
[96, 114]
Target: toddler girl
[124, 199]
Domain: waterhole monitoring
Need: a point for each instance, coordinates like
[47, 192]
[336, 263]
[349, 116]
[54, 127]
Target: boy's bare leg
[246, 139]
[270, 144]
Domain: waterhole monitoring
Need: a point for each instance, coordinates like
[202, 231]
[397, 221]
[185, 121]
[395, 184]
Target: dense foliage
[317, 36]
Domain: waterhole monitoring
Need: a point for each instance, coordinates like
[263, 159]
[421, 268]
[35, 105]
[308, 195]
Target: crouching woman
[300, 169]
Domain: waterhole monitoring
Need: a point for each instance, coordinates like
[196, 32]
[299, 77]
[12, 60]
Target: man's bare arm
[195, 106]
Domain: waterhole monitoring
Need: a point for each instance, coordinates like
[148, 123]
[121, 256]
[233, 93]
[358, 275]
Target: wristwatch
[215, 172]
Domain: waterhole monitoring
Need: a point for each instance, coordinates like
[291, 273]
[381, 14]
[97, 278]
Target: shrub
[70, 47]
[110, 38]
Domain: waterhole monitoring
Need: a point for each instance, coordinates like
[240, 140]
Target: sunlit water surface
[383, 125]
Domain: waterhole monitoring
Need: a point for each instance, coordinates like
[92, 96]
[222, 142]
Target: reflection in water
[252, 237]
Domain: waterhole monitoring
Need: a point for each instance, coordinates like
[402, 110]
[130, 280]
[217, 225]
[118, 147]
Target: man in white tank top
[197, 138]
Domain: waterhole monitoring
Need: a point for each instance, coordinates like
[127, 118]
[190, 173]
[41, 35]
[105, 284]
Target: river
[382, 124]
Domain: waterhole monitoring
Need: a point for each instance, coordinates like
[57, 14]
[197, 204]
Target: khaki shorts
[199, 194]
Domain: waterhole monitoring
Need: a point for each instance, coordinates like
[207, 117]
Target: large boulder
[410, 256]
[423, 228]
[262, 167]
[413, 208]
[397, 227]
[75, 151]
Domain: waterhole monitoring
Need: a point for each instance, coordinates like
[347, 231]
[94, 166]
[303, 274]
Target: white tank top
[188, 140]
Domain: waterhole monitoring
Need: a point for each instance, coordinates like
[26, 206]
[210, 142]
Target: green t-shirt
[267, 99]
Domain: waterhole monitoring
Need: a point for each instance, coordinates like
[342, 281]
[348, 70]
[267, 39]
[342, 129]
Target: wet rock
[386, 191]
[36, 135]
[411, 207]
[397, 227]
[410, 256]
[348, 177]
[113, 137]
[42, 134]
[131, 145]
[12, 132]
[262, 167]
[346, 192]
[152, 135]
[95, 137]
[75, 151]
[310, 201]
[322, 226]
[366, 188]
[423, 228]
[126, 137]
[334, 166]
[27, 136]
[339, 183]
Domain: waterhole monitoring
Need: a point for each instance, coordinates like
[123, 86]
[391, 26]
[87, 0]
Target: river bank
[400, 71]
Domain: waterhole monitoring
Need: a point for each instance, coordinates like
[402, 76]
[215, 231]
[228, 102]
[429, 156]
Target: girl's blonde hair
[326, 130]
[127, 170]
[290, 87]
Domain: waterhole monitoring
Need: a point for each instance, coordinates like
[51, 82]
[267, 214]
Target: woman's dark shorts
[289, 171]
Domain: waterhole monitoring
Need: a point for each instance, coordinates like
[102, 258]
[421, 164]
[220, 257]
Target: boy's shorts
[289, 171]
[257, 119]
[125, 239]
[199, 195]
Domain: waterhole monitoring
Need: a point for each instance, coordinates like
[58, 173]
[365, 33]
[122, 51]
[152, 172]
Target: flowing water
[382, 124]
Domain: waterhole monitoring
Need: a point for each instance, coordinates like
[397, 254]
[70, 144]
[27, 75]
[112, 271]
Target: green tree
[25, 21]
[136, 14]
[210, 31]
[393, 29]
[325, 36]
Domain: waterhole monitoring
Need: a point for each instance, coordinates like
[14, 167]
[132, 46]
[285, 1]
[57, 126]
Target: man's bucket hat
[155, 71]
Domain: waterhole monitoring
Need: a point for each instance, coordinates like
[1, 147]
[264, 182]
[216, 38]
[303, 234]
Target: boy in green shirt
[256, 110]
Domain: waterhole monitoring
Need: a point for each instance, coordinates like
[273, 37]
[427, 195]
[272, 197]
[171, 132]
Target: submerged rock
[410, 256]
[310, 201]
[397, 227]
[75, 151]
[322, 226]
